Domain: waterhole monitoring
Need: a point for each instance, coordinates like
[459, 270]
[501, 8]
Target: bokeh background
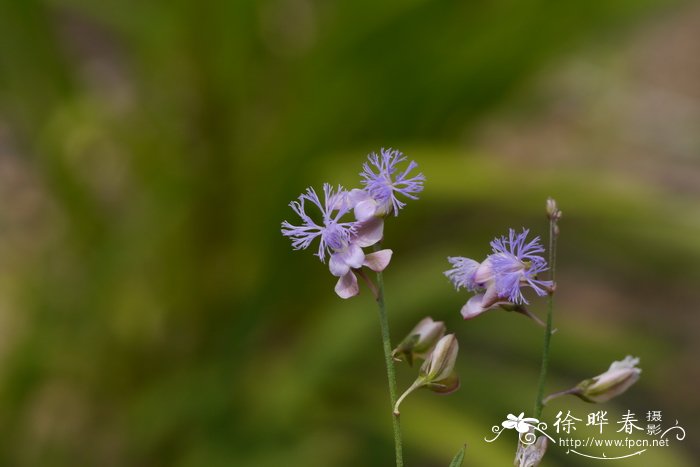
[151, 314]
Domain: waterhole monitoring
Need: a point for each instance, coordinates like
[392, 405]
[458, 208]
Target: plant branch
[389, 361]
[553, 235]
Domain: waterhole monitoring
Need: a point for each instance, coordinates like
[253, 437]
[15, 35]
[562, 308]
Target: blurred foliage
[159, 318]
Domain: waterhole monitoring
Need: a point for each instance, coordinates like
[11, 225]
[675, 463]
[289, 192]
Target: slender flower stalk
[566, 392]
[389, 361]
[418, 383]
[498, 280]
[619, 377]
[554, 214]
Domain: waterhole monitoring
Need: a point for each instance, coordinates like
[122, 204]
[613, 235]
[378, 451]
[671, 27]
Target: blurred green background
[152, 314]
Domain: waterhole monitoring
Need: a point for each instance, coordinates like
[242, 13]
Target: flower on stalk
[383, 181]
[341, 240]
[498, 280]
[420, 340]
[334, 234]
[553, 212]
[438, 368]
[516, 263]
[437, 372]
[619, 377]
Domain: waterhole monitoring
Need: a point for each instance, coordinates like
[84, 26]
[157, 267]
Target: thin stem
[370, 284]
[524, 311]
[389, 361]
[416, 384]
[561, 393]
[553, 234]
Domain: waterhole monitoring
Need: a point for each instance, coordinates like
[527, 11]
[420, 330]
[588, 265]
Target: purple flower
[343, 241]
[334, 234]
[383, 181]
[498, 279]
[516, 263]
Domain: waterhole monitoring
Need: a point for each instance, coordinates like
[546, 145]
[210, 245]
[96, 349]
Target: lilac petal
[473, 307]
[347, 286]
[369, 232]
[353, 256]
[340, 201]
[490, 297]
[462, 272]
[378, 260]
[484, 272]
[365, 210]
[357, 196]
[338, 265]
[362, 203]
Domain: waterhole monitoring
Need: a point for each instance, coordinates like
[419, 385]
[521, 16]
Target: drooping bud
[619, 377]
[437, 372]
[419, 342]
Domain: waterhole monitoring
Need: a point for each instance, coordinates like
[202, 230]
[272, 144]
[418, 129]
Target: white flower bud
[619, 377]
[437, 372]
[441, 362]
[420, 340]
[553, 211]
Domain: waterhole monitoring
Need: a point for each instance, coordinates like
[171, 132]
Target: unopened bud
[441, 361]
[553, 212]
[531, 455]
[420, 340]
[437, 372]
[619, 377]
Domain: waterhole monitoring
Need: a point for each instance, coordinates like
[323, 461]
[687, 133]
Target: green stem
[553, 233]
[390, 370]
[416, 384]
[574, 391]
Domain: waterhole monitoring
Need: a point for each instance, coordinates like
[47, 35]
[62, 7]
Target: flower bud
[553, 211]
[420, 340]
[437, 372]
[531, 455]
[619, 377]
[441, 362]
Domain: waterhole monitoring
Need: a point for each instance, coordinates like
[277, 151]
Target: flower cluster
[498, 280]
[341, 238]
